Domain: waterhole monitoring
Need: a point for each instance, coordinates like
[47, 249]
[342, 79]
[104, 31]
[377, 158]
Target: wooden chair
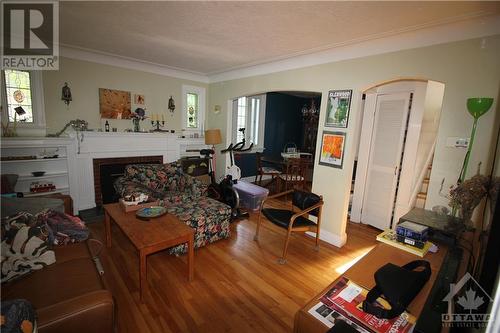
[293, 175]
[265, 170]
[296, 218]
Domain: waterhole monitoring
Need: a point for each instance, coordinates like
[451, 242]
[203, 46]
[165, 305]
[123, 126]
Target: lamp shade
[479, 105]
[213, 137]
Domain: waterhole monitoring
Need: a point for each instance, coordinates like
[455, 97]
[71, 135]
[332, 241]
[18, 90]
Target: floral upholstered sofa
[183, 196]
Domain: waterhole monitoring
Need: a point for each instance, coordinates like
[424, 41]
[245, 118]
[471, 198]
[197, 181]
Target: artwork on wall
[332, 149]
[139, 99]
[114, 104]
[339, 104]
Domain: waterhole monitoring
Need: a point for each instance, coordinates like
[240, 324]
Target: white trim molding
[79, 53]
[403, 40]
[330, 237]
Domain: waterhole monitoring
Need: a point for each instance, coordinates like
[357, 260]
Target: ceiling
[213, 37]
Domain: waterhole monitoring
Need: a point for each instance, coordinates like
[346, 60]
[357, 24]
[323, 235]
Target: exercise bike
[224, 191]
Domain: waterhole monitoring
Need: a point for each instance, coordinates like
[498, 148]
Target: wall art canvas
[139, 99]
[114, 104]
[337, 110]
[332, 149]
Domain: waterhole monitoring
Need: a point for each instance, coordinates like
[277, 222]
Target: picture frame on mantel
[114, 104]
[338, 107]
[332, 149]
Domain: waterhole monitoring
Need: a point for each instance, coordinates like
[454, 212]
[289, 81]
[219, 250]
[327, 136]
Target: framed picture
[114, 104]
[332, 149]
[337, 110]
[139, 99]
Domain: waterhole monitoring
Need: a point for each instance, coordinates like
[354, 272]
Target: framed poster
[114, 104]
[332, 149]
[337, 110]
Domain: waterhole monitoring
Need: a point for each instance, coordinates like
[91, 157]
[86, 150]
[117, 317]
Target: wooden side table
[150, 237]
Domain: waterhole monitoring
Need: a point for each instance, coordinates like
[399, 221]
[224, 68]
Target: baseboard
[330, 237]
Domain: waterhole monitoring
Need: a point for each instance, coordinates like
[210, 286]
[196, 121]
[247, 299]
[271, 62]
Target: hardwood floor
[238, 285]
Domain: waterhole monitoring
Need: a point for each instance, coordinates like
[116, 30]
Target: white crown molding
[104, 58]
[452, 32]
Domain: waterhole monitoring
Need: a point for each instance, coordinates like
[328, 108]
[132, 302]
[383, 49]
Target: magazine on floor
[346, 298]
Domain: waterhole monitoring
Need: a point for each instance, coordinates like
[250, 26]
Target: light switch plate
[456, 142]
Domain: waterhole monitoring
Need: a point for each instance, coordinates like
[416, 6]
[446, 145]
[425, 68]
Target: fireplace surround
[106, 170]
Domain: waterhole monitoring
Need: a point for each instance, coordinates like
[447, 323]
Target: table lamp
[213, 137]
[477, 106]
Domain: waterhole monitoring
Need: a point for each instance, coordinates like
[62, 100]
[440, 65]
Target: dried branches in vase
[466, 196]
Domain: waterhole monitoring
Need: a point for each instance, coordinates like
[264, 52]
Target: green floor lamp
[477, 106]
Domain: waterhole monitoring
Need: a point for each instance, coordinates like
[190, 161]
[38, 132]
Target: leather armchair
[295, 219]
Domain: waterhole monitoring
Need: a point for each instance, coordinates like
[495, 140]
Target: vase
[136, 122]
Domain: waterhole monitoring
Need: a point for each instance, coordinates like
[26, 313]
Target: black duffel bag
[398, 285]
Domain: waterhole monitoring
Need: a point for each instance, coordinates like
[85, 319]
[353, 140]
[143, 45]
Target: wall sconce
[171, 104]
[66, 94]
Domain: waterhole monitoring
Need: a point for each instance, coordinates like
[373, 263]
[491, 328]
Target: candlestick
[162, 118]
[158, 124]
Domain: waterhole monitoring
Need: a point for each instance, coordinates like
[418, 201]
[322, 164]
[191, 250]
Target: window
[18, 92]
[193, 108]
[22, 98]
[249, 113]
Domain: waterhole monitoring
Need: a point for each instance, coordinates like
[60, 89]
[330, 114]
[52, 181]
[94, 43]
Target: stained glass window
[192, 110]
[19, 97]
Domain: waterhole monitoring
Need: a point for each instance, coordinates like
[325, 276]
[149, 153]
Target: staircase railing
[421, 176]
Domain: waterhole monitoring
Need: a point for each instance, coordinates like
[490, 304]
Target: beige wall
[85, 79]
[464, 67]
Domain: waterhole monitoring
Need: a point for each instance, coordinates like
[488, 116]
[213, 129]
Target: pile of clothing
[27, 240]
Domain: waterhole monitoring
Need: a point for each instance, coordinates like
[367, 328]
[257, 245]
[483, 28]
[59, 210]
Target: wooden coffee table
[150, 237]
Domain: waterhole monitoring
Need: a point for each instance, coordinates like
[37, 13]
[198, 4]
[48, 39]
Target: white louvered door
[386, 146]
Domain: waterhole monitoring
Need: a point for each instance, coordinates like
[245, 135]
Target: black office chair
[303, 204]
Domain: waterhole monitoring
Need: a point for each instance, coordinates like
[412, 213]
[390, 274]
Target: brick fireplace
[107, 170]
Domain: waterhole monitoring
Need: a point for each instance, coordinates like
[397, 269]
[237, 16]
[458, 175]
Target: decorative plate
[150, 212]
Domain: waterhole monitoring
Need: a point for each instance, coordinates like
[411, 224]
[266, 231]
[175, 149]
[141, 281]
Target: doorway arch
[417, 128]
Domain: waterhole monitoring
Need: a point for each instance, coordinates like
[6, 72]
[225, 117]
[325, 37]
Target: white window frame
[248, 126]
[201, 92]
[37, 102]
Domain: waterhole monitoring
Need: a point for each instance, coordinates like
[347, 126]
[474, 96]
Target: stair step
[425, 181]
[422, 195]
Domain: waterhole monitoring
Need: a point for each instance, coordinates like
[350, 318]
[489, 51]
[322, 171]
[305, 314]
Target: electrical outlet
[456, 142]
